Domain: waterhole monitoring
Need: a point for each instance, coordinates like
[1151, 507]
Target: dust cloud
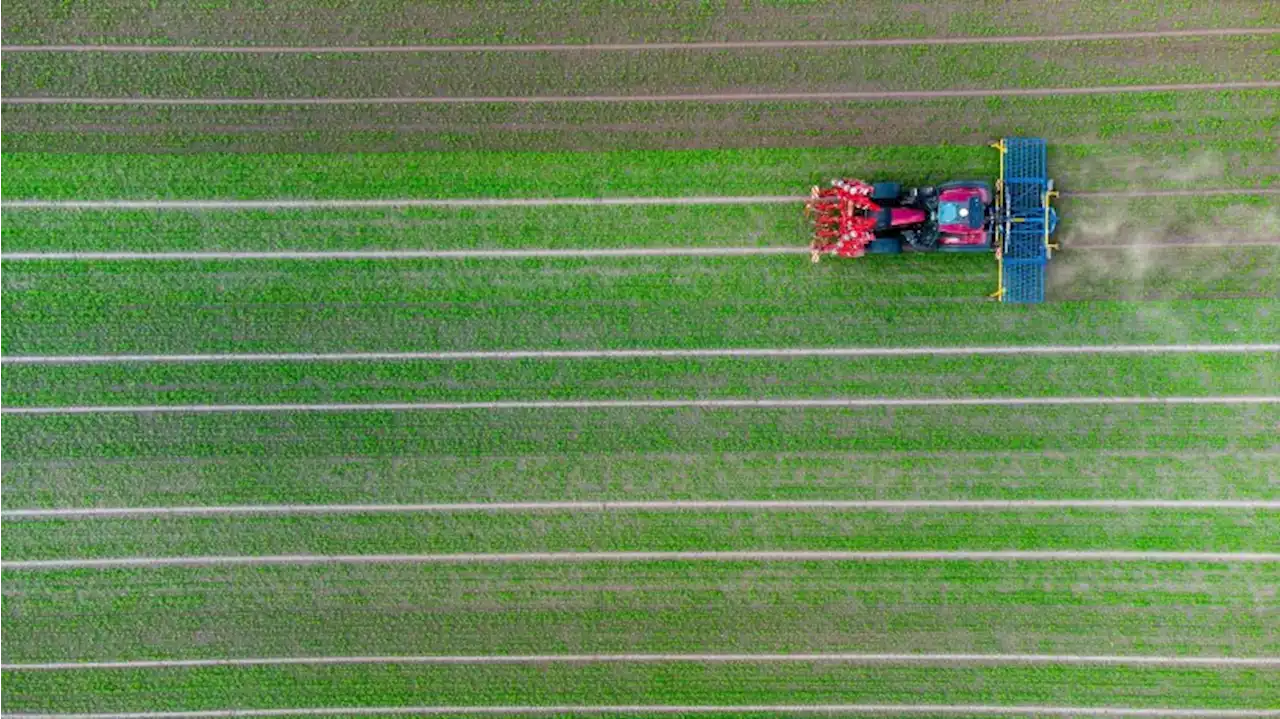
[1151, 171]
[1159, 248]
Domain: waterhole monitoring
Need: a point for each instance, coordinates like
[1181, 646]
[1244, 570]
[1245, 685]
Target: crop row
[1084, 221]
[337, 306]
[879, 69]
[430, 533]
[683, 684]
[1189, 609]
[484, 21]
[1223, 163]
[841, 472]
[608, 379]
[476, 433]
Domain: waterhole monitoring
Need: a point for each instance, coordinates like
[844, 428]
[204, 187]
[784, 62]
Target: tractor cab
[964, 216]
[961, 215]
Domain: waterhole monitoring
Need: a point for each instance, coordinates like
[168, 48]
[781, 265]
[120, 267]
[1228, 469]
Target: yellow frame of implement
[1002, 229]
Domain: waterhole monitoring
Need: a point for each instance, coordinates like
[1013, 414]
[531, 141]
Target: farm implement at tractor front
[852, 218]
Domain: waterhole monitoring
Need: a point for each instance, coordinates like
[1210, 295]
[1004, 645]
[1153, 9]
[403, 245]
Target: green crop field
[402, 422]
[1170, 61]
[403, 22]
[1150, 118]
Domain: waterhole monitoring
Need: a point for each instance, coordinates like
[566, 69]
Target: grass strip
[617, 325]
[104, 308]
[415, 228]
[570, 174]
[822, 474]
[1136, 530]
[397, 22]
[633, 684]
[740, 172]
[1122, 120]
[480, 433]
[1167, 61]
[1083, 220]
[536, 380]
[982, 607]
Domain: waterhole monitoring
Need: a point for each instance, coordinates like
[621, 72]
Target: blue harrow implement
[852, 218]
[1024, 219]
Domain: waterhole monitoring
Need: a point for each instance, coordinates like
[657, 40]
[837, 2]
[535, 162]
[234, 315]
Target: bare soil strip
[642, 404]
[843, 658]
[652, 354]
[616, 99]
[648, 709]
[633, 47]
[676, 556]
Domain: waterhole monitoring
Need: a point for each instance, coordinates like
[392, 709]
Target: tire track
[543, 659]
[677, 505]
[411, 202]
[643, 404]
[522, 254]
[631, 99]
[649, 709]
[740, 352]
[638, 47]
[672, 556]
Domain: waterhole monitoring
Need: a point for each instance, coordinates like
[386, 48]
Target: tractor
[1014, 220]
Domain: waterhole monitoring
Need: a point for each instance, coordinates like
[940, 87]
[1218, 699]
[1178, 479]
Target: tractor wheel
[885, 191]
[885, 246]
[921, 241]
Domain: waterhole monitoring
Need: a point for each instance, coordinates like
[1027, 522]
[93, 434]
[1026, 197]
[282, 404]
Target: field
[502, 384]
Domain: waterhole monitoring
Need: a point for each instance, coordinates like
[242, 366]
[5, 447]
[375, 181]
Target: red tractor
[852, 218]
[1014, 222]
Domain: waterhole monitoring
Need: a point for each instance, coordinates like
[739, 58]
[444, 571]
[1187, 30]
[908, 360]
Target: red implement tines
[844, 218]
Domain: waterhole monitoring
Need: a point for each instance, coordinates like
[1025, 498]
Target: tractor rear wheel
[885, 246]
[886, 191]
